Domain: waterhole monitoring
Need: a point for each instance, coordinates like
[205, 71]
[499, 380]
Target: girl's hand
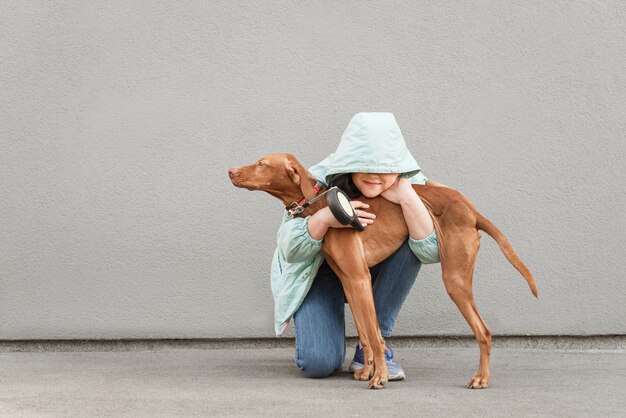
[323, 219]
[400, 192]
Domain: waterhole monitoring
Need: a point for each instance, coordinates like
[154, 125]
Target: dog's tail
[484, 224]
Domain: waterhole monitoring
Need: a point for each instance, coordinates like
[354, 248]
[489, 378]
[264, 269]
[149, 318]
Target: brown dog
[350, 253]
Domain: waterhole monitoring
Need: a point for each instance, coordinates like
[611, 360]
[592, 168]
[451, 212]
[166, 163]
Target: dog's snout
[232, 172]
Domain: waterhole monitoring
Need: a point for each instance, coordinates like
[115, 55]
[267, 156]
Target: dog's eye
[262, 163]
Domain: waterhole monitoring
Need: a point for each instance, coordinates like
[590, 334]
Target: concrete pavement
[265, 382]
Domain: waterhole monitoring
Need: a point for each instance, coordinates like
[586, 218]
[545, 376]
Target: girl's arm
[323, 219]
[422, 235]
[416, 215]
[294, 241]
[300, 239]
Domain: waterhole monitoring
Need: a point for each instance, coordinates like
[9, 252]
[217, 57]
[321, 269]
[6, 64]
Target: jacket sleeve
[294, 241]
[419, 178]
[426, 249]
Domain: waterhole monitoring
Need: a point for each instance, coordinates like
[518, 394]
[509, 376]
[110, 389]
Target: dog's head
[280, 175]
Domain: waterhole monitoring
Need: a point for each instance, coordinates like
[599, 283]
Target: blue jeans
[319, 322]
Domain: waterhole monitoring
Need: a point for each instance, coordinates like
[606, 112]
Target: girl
[371, 160]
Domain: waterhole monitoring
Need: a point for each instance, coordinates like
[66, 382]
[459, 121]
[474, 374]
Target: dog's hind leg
[457, 270]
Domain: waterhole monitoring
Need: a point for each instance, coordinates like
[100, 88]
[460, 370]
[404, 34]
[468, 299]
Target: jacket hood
[372, 143]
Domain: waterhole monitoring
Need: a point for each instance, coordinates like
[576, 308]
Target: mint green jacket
[372, 143]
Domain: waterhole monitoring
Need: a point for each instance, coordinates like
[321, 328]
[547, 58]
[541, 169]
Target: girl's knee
[318, 366]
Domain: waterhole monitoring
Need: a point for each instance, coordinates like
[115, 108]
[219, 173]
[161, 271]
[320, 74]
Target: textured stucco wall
[118, 122]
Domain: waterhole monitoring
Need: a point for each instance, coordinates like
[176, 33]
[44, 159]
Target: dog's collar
[298, 207]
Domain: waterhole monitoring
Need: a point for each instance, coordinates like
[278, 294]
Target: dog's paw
[379, 380]
[478, 382]
[364, 373]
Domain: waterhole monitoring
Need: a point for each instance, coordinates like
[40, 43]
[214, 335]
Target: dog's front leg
[367, 372]
[361, 301]
[344, 252]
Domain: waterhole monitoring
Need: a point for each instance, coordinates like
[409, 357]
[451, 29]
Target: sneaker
[395, 371]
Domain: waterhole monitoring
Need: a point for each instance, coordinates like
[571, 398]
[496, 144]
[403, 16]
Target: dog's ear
[292, 171]
[297, 174]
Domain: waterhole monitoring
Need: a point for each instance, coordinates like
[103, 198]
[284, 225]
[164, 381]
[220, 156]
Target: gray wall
[118, 122]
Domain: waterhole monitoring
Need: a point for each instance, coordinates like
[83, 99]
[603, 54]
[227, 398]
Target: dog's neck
[298, 193]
